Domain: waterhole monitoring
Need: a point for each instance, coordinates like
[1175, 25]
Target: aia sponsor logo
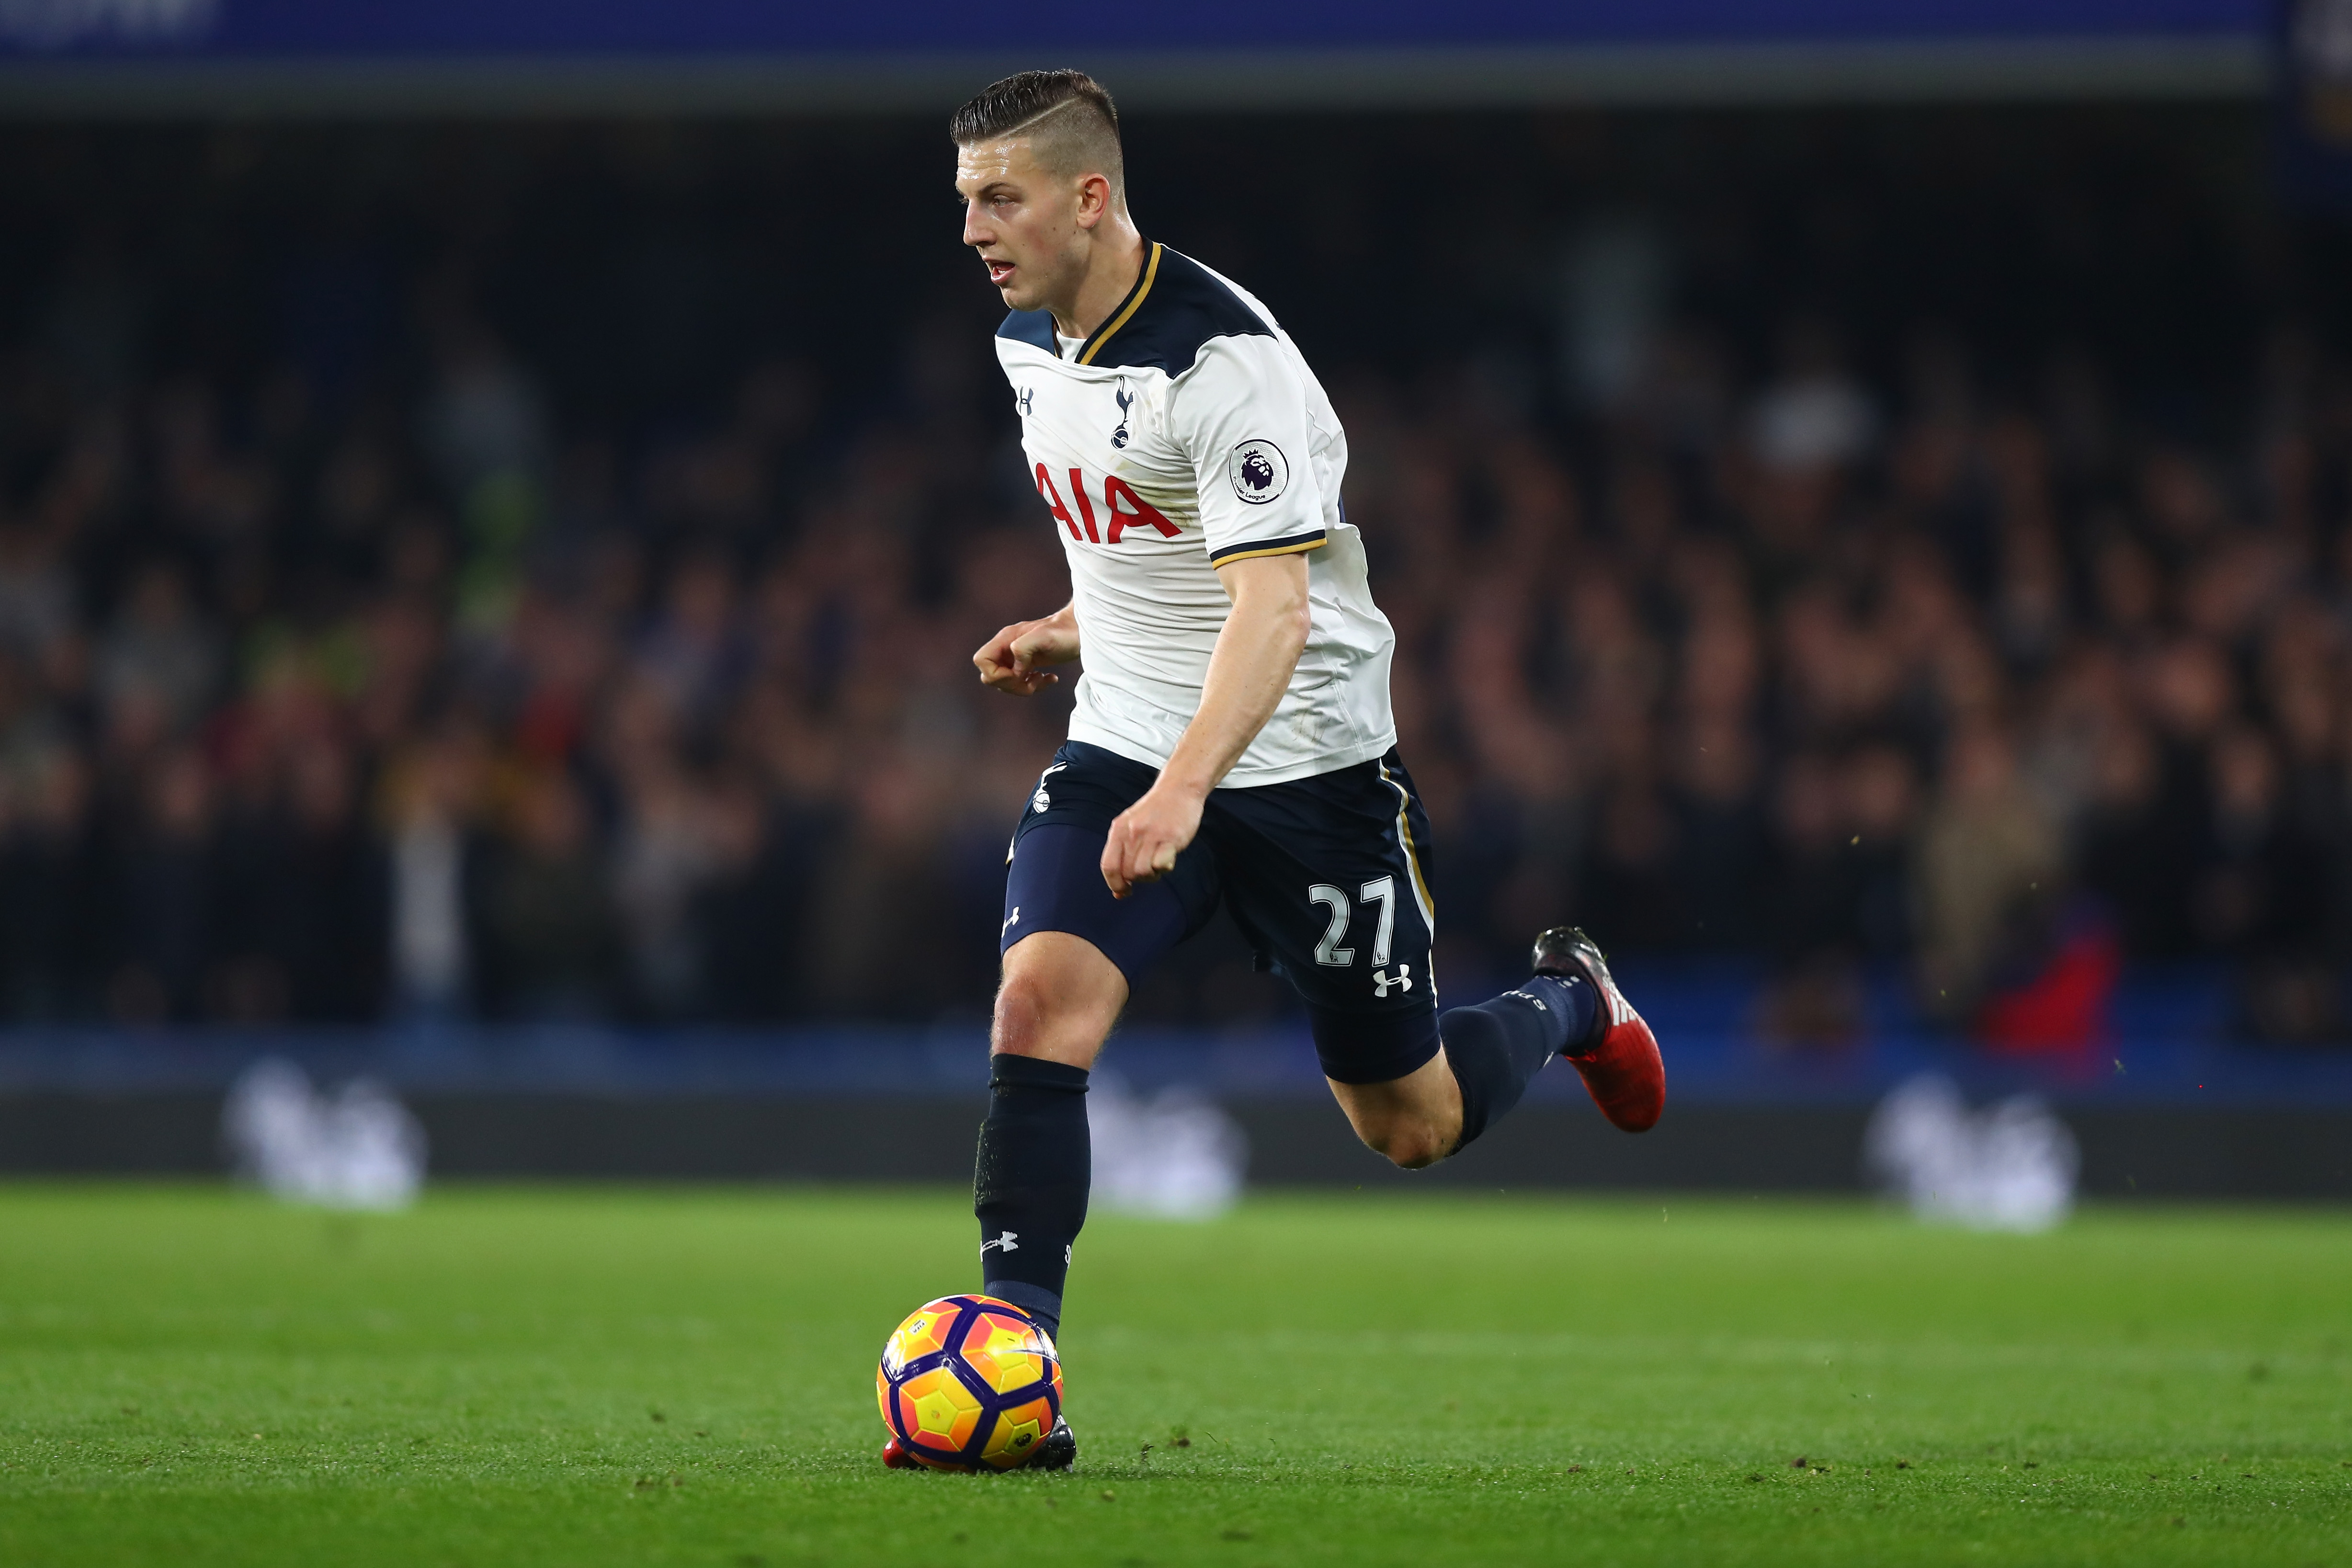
[1120, 507]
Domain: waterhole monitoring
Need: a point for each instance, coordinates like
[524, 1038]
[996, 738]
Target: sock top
[1007, 1070]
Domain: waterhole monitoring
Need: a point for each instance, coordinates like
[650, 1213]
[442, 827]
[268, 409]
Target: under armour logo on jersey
[1009, 920]
[1118, 437]
[1027, 398]
[1004, 1241]
[1382, 979]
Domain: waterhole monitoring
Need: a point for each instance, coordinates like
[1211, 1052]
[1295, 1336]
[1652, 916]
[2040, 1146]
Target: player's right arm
[1013, 659]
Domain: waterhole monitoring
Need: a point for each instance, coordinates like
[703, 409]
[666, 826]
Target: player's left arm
[1249, 671]
[1243, 413]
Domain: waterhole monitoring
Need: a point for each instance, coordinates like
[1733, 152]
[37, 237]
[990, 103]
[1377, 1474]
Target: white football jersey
[1188, 432]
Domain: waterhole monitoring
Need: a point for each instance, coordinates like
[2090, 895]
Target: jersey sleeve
[1241, 413]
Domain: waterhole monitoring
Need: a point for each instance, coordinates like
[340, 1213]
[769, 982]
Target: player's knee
[1024, 1008]
[1036, 1016]
[1409, 1143]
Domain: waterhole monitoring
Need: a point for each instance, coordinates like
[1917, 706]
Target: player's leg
[1329, 875]
[1057, 1003]
[1056, 1000]
[1415, 1119]
[1489, 1054]
[1071, 953]
[1486, 1058]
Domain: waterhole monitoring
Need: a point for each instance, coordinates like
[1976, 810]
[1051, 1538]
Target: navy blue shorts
[1327, 877]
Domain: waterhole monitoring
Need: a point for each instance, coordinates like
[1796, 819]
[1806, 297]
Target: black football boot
[1059, 1451]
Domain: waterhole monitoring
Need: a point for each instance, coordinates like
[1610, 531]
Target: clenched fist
[1013, 659]
[1146, 839]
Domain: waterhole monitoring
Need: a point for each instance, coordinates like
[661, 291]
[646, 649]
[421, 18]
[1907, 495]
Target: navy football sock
[1497, 1047]
[1029, 1183]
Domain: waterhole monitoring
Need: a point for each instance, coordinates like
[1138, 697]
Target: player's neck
[1112, 268]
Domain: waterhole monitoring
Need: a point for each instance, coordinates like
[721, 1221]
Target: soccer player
[1231, 742]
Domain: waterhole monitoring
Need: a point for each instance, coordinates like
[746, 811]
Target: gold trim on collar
[1151, 271]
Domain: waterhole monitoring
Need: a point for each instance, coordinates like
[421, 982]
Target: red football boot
[1620, 1062]
[897, 1457]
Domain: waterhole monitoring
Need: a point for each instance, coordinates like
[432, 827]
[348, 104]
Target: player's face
[1025, 222]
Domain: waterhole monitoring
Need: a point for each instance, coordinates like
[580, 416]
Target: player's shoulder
[1176, 309]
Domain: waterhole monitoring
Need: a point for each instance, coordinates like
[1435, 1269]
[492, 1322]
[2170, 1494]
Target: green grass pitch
[193, 1376]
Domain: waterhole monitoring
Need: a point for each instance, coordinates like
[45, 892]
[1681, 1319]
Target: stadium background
[487, 584]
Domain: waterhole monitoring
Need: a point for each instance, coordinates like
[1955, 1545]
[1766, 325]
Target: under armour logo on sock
[1004, 1241]
[1382, 979]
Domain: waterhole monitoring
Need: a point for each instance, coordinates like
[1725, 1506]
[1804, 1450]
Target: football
[969, 1383]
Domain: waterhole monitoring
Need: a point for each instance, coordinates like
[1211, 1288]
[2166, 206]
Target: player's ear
[1094, 200]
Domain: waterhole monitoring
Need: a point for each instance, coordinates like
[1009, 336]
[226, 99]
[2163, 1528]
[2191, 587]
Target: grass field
[191, 1376]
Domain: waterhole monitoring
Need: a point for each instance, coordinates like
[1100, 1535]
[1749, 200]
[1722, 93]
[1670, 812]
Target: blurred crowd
[423, 710]
[2000, 695]
[332, 698]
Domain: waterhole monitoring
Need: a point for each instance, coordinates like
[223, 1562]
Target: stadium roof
[564, 57]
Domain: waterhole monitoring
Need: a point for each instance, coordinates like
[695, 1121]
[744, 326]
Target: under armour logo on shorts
[1382, 979]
